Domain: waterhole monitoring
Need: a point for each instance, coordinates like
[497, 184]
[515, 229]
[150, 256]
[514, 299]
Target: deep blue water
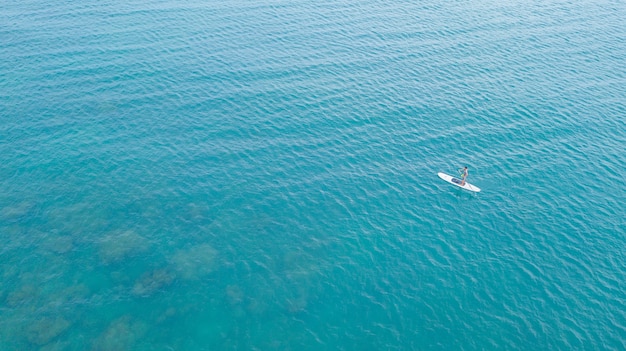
[262, 175]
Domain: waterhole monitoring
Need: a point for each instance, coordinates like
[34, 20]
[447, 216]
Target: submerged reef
[45, 330]
[118, 246]
[121, 335]
[24, 295]
[152, 282]
[194, 263]
[81, 220]
[15, 213]
[59, 244]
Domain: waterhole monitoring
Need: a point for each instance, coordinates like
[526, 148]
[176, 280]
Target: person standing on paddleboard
[464, 174]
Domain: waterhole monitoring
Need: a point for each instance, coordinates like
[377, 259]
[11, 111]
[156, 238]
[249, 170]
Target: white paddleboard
[456, 181]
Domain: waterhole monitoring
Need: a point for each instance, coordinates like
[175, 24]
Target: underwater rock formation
[152, 282]
[68, 295]
[194, 263]
[116, 247]
[121, 335]
[234, 294]
[166, 315]
[45, 330]
[14, 213]
[60, 244]
[25, 294]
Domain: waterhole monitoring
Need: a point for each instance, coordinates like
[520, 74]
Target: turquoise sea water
[262, 175]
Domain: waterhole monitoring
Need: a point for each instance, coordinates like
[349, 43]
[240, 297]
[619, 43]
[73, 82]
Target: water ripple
[262, 175]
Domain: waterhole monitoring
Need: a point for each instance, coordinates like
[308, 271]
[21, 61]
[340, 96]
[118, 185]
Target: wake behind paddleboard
[456, 181]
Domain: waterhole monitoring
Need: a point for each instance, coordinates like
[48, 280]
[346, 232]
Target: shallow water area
[263, 175]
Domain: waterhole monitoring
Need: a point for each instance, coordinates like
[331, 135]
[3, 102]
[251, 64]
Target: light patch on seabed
[121, 335]
[151, 282]
[121, 245]
[195, 262]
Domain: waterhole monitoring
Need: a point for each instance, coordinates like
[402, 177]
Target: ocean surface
[262, 175]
